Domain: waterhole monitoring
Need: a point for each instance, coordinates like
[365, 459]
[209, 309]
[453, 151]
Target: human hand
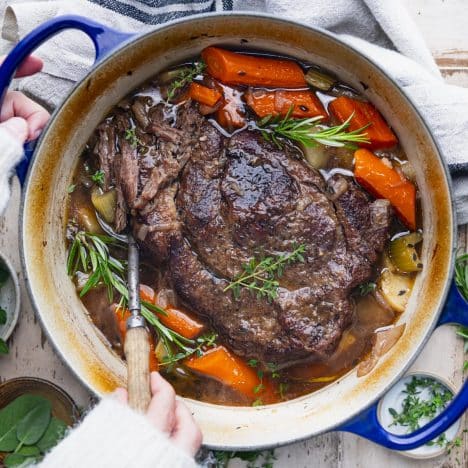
[169, 415]
[19, 115]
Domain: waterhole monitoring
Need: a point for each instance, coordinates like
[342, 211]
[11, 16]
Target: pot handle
[105, 39]
[367, 424]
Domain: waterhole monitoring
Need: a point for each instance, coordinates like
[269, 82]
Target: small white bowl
[394, 399]
[9, 299]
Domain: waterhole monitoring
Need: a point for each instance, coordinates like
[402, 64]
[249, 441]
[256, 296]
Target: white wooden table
[445, 27]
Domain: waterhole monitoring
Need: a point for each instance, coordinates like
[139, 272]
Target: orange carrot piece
[224, 366]
[378, 132]
[121, 317]
[204, 95]
[176, 319]
[182, 322]
[384, 182]
[304, 103]
[239, 69]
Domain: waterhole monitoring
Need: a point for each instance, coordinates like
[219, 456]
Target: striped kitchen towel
[380, 29]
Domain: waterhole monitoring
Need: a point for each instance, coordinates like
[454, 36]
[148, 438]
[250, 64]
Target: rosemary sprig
[260, 276]
[185, 76]
[90, 254]
[311, 132]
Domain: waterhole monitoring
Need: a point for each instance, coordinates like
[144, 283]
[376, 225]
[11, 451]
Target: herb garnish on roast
[206, 205]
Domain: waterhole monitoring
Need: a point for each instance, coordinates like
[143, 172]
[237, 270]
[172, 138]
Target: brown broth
[299, 379]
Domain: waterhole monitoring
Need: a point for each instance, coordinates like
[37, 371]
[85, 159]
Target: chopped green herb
[71, 188]
[260, 276]
[366, 288]
[131, 137]
[184, 77]
[273, 368]
[310, 132]
[252, 362]
[416, 410]
[98, 178]
[461, 280]
[254, 459]
[258, 402]
[282, 389]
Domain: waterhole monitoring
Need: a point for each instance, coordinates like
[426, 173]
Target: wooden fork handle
[137, 349]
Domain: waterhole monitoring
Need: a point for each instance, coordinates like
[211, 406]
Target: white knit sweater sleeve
[11, 152]
[114, 436]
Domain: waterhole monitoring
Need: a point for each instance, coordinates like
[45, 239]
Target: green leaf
[53, 434]
[11, 415]
[71, 188]
[33, 426]
[3, 316]
[18, 460]
[3, 347]
[29, 451]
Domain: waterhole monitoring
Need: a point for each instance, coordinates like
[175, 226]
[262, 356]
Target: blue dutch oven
[123, 61]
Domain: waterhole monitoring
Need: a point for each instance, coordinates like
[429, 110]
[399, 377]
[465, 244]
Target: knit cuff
[11, 152]
[114, 436]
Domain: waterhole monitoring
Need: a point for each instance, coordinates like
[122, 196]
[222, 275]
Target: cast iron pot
[125, 61]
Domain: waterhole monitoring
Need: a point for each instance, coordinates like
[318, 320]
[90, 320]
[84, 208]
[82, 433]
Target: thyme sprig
[260, 276]
[90, 255]
[310, 131]
[131, 137]
[98, 177]
[415, 410]
[184, 77]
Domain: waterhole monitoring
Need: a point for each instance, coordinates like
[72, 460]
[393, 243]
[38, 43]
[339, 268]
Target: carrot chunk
[240, 69]
[176, 319]
[384, 182]
[364, 113]
[204, 95]
[224, 366]
[279, 102]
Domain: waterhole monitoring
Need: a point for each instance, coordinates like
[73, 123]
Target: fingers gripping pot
[124, 62]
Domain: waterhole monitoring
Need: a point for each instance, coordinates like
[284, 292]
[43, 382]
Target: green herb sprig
[131, 137]
[260, 276]
[415, 410]
[254, 459]
[184, 77]
[461, 280]
[98, 178]
[310, 131]
[366, 288]
[90, 254]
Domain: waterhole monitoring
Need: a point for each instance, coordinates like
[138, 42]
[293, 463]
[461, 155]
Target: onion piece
[319, 80]
[105, 204]
[316, 156]
[383, 340]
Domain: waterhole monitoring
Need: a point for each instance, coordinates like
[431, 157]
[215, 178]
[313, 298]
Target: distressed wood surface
[444, 25]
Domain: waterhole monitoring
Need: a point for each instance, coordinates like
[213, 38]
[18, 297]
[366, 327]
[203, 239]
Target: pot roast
[204, 204]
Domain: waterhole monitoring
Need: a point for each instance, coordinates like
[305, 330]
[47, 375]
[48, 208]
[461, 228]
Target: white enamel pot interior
[44, 217]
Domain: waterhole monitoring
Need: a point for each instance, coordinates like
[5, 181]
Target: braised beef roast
[204, 205]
